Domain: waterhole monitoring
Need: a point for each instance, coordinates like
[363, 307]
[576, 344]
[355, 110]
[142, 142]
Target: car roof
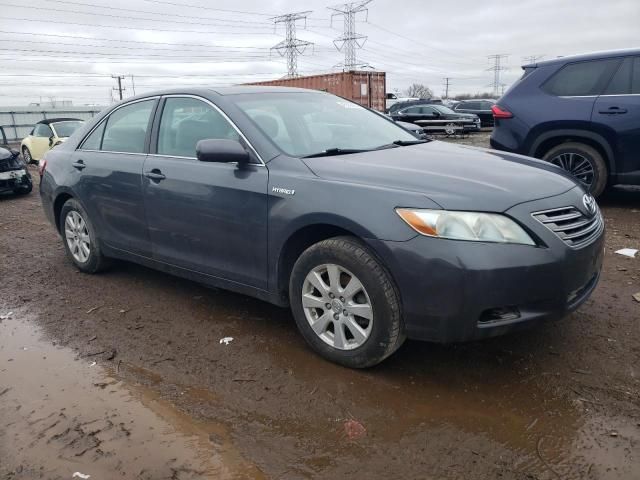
[47, 121]
[586, 56]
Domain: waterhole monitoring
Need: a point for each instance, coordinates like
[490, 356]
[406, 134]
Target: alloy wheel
[577, 165]
[450, 129]
[77, 236]
[337, 307]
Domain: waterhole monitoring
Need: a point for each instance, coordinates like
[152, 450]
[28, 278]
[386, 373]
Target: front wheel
[345, 304]
[583, 162]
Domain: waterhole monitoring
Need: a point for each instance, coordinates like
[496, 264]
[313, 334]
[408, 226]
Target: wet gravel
[558, 401]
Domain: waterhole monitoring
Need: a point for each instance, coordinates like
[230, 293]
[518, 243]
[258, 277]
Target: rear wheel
[345, 304]
[26, 156]
[583, 162]
[80, 241]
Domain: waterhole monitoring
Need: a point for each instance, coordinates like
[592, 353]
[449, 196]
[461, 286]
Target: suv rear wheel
[583, 162]
[345, 304]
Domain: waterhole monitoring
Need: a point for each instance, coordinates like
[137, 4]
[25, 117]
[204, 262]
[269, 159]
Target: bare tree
[419, 90]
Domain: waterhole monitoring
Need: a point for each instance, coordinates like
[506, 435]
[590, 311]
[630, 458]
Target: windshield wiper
[401, 143]
[330, 152]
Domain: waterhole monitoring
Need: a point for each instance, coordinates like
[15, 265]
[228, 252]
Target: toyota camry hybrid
[303, 199]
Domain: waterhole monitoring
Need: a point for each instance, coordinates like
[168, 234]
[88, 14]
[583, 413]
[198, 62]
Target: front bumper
[14, 179]
[451, 290]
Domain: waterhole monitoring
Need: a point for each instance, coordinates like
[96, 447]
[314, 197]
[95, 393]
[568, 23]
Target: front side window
[581, 79]
[304, 124]
[443, 109]
[186, 121]
[42, 130]
[413, 110]
[126, 128]
[66, 129]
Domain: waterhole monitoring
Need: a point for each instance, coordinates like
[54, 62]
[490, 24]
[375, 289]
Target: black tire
[600, 175]
[96, 261]
[387, 330]
[26, 154]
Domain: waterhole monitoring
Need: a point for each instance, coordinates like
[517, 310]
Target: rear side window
[126, 128]
[186, 121]
[94, 141]
[620, 84]
[581, 79]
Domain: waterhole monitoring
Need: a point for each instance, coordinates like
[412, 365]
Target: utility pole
[497, 68]
[133, 84]
[119, 88]
[529, 59]
[291, 47]
[447, 83]
[350, 41]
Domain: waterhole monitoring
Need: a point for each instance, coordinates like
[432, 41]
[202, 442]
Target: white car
[392, 98]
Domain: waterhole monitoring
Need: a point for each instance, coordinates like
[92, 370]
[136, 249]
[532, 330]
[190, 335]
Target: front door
[108, 170]
[206, 217]
[616, 115]
[40, 141]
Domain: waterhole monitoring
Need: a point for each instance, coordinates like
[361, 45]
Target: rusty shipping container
[366, 88]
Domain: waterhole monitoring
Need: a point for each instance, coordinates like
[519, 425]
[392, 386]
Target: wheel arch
[549, 140]
[59, 201]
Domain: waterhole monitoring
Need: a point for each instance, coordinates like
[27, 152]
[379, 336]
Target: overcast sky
[67, 49]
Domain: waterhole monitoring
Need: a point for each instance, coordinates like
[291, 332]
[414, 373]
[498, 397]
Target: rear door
[616, 115]
[206, 217]
[108, 176]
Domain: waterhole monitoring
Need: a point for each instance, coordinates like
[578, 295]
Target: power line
[349, 41]
[291, 46]
[529, 59]
[497, 68]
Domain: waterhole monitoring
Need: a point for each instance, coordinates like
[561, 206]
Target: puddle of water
[59, 415]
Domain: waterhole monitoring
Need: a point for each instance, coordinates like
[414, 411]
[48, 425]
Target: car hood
[455, 177]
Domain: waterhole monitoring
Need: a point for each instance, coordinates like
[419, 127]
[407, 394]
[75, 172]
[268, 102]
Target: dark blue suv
[581, 113]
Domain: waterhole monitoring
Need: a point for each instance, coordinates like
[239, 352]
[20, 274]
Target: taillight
[42, 165]
[499, 112]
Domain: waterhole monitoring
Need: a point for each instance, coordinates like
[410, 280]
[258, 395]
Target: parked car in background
[45, 135]
[369, 234]
[581, 113]
[14, 175]
[437, 118]
[417, 130]
[481, 108]
[393, 98]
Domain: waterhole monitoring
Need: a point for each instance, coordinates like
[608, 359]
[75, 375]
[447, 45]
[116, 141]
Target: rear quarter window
[581, 78]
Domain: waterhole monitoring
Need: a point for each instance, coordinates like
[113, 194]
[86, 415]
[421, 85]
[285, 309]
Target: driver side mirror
[222, 151]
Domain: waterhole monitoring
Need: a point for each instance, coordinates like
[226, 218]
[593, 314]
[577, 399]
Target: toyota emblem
[589, 204]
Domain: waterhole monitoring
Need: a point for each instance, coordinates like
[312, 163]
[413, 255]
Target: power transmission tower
[497, 68]
[350, 41]
[447, 84]
[119, 88]
[291, 47]
[529, 59]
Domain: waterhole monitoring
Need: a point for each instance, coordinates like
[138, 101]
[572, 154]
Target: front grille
[572, 226]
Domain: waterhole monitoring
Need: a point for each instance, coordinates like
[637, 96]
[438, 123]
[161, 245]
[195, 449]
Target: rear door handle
[155, 175]
[79, 165]
[613, 111]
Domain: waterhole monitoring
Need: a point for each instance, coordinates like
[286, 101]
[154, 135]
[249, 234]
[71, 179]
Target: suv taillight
[499, 112]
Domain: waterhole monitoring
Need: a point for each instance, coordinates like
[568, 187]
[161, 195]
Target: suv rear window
[580, 79]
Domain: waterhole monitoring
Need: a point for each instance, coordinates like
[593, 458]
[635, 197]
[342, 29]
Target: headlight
[475, 226]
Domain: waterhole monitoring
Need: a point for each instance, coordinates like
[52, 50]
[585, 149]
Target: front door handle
[613, 111]
[155, 175]
[79, 165]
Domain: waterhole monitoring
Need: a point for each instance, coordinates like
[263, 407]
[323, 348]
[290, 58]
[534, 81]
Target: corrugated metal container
[366, 88]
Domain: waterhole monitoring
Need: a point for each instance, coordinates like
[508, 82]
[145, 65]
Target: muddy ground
[122, 375]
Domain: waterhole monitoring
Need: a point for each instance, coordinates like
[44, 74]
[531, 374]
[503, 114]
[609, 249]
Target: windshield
[443, 109]
[303, 124]
[65, 129]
